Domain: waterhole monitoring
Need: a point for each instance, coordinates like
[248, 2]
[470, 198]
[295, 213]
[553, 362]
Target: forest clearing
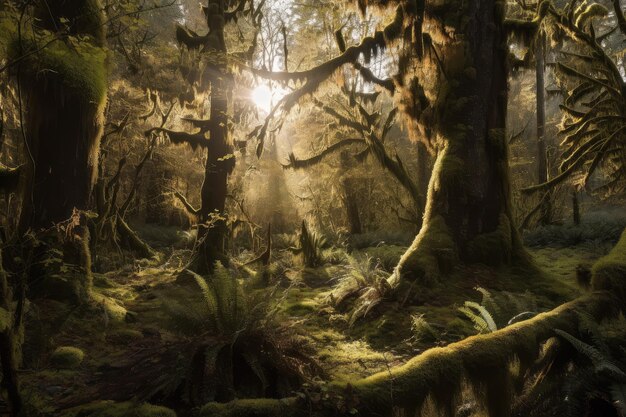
[250, 208]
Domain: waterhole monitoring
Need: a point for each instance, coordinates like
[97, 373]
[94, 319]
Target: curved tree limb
[351, 55]
[295, 163]
[190, 209]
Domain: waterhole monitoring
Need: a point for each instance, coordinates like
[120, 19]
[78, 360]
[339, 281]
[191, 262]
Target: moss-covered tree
[64, 88]
[214, 74]
[452, 88]
[59, 64]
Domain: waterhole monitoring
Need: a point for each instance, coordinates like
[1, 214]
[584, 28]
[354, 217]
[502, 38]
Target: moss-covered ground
[126, 325]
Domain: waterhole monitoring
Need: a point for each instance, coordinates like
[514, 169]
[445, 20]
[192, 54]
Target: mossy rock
[124, 336]
[125, 409]
[67, 357]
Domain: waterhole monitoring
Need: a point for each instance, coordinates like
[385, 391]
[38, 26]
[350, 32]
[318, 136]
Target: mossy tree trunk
[220, 158]
[65, 91]
[468, 210]
[64, 86]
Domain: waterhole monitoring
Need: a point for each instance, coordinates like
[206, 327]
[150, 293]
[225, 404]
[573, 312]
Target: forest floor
[128, 330]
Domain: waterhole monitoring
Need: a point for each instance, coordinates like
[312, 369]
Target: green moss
[483, 362]
[255, 407]
[79, 65]
[432, 253]
[110, 306]
[125, 336]
[67, 357]
[609, 273]
[126, 409]
[90, 20]
[387, 256]
[493, 248]
[78, 61]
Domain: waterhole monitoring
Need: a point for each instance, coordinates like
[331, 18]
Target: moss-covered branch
[368, 46]
[482, 361]
[295, 163]
[133, 240]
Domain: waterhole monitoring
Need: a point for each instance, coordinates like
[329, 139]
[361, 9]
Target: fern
[422, 330]
[489, 302]
[602, 364]
[482, 319]
[242, 328]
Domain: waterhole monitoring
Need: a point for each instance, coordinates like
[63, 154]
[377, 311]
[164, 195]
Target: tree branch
[295, 163]
[190, 209]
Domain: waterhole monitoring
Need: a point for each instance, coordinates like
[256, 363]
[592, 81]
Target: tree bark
[350, 202]
[542, 156]
[65, 101]
[64, 87]
[468, 210]
[220, 159]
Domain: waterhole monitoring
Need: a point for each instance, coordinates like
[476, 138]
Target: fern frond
[482, 319]
[601, 363]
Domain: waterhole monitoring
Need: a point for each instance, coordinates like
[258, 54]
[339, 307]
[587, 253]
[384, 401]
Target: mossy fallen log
[482, 365]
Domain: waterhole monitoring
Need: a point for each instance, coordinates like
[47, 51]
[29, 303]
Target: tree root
[481, 362]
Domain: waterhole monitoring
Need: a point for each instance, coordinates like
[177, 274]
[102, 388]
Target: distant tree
[366, 129]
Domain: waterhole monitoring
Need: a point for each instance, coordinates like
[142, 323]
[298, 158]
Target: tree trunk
[10, 346]
[468, 210]
[65, 93]
[65, 90]
[575, 208]
[220, 159]
[350, 203]
[423, 173]
[542, 156]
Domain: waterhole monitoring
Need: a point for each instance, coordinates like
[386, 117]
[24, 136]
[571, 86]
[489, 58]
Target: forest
[313, 208]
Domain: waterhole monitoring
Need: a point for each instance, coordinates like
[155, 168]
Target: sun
[262, 97]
